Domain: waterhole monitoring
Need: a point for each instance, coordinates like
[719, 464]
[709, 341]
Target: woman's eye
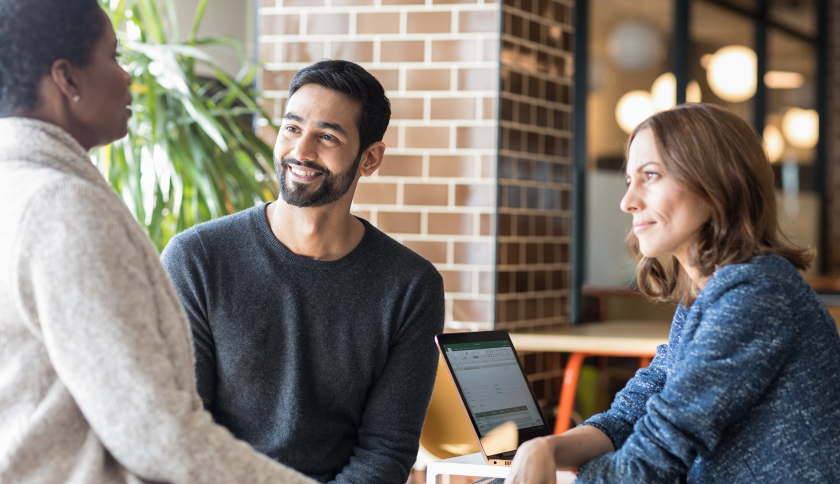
[651, 174]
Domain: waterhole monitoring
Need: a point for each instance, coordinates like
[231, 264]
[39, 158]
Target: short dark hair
[356, 83]
[36, 33]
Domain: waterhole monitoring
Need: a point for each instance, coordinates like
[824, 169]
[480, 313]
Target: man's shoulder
[397, 257]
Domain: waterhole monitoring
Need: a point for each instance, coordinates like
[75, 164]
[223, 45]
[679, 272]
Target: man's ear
[62, 73]
[372, 158]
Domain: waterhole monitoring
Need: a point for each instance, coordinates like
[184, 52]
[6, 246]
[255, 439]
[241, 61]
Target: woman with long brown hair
[748, 387]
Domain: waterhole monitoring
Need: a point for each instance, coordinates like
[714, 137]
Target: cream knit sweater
[96, 363]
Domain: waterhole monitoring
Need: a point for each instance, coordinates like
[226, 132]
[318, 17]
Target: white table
[465, 465]
[474, 465]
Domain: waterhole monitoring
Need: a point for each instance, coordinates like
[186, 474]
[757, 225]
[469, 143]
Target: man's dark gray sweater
[327, 367]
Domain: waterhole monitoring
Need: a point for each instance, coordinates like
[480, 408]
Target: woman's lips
[639, 226]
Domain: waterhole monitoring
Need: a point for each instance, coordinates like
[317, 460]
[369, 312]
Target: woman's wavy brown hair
[718, 156]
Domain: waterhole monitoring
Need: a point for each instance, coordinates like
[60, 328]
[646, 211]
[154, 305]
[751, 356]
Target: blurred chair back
[447, 431]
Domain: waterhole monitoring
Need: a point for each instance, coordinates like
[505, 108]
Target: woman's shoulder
[764, 273]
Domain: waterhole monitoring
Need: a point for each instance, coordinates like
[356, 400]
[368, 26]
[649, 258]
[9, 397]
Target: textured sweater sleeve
[88, 285]
[389, 435]
[721, 369]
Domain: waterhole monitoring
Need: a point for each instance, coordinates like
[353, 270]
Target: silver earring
[76, 98]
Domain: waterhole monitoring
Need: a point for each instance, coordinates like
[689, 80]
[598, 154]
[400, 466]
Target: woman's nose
[630, 200]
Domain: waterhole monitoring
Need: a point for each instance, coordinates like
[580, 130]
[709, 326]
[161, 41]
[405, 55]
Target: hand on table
[534, 464]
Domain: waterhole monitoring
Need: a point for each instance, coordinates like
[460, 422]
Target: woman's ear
[62, 74]
[372, 159]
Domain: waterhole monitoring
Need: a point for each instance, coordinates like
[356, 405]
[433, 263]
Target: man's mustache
[306, 164]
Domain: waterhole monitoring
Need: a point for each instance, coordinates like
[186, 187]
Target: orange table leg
[567, 393]
[644, 361]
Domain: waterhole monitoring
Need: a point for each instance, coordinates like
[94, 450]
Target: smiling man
[313, 330]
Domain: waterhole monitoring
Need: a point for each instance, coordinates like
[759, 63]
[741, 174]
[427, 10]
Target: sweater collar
[35, 141]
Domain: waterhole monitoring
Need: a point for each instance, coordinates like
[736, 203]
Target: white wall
[224, 18]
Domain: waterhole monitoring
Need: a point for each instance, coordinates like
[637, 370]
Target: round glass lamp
[801, 127]
[633, 108]
[731, 73]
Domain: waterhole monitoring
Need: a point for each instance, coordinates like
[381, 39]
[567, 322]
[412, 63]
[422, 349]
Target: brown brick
[399, 222]
[389, 78]
[478, 79]
[426, 137]
[267, 3]
[433, 251]
[474, 311]
[402, 51]
[342, 3]
[450, 223]
[276, 80]
[440, 2]
[486, 224]
[485, 282]
[378, 23]
[429, 22]
[401, 165]
[488, 166]
[457, 108]
[457, 281]
[403, 2]
[474, 195]
[473, 253]
[376, 193]
[352, 51]
[279, 24]
[406, 108]
[328, 23]
[302, 3]
[477, 137]
[391, 137]
[427, 79]
[451, 166]
[480, 21]
[489, 109]
[454, 51]
[425, 194]
[301, 51]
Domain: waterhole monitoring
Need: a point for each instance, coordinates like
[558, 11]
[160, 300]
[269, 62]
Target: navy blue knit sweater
[747, 389]
[325, 366]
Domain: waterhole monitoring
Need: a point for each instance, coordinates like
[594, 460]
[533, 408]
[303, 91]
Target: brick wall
[438, 190]
[833, 142]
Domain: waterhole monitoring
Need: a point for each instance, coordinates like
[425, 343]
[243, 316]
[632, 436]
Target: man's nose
[306, 148]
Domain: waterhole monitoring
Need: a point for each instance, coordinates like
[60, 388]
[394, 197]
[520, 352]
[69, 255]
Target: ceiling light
[783, 80]
[774, 143]
[731, 73]
[801, 127]
[633, 108]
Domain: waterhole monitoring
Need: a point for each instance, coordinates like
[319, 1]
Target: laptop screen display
[493, 385]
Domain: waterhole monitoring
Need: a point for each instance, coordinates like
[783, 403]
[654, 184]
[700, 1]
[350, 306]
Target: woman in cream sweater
[96, 376]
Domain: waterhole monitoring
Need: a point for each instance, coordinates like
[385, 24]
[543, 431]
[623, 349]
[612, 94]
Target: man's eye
[290, 128]
[329, 137]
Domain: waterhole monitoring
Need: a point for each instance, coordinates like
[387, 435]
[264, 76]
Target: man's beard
[333, 186]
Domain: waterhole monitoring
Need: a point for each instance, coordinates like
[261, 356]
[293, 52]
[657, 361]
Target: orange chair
[447, 431]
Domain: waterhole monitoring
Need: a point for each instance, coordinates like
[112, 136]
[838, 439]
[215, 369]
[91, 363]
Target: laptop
[494, 392]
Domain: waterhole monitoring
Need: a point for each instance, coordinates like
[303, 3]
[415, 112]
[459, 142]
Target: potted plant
[191, 153]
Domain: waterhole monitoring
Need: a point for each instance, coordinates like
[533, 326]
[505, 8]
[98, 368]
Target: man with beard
[314, 331]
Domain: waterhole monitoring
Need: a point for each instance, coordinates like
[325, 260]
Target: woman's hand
[534, 463]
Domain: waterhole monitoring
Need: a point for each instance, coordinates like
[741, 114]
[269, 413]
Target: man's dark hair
[36, 33]
[356, 83]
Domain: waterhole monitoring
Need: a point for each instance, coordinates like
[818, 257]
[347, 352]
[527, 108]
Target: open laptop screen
[493, 385]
